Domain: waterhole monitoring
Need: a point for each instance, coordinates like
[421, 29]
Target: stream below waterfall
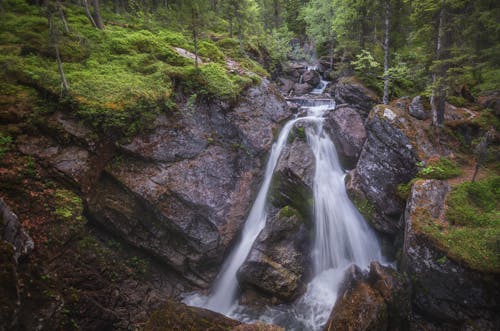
[342, 238]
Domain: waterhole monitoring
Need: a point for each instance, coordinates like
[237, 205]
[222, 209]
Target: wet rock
[311, 77]
[346, 128]
[11, 231]
[445, 292]
[277, 260]
[353, 93]
[260, 111]
[175, 316]
[293, 178]
[301, 89]
[416, 108]
[378, 300]
[286, 85]
[183, 191]
[172, 139]
[388, 159]
[359, 307]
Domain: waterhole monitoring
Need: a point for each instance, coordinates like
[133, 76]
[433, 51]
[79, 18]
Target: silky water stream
[342, 238]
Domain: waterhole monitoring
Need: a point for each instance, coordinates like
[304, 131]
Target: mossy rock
[175, 316]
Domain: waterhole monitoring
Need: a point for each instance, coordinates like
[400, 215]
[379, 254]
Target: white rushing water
[320, 89]
[342, 238]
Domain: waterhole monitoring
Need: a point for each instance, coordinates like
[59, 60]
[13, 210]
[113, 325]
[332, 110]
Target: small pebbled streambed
[341, 237]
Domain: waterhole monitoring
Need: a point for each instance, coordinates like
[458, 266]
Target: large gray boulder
[351, 92]
[12, 232]
[416, 108]
[276, 263]
[346, 128]
[377, 300]
[388, 159]
[445, 292]
[292, 182]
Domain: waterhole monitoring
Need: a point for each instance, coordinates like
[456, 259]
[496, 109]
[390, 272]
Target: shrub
[441, 168]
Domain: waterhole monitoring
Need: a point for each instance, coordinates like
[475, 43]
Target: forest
[162, 165]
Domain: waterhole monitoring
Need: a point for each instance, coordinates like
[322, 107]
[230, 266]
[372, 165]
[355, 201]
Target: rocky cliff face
[180, 191]
[445, 292]
[388, 158]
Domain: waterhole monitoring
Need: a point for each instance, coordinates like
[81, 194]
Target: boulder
[301, 89]
[388, 158]
[292, 182]
[311, 77]
[286, 85]
[351, 92]
[445, 292]
[416, 108]
[346, 128]
[12, 232]
[379, 300]
[276, 263]
[176, 316]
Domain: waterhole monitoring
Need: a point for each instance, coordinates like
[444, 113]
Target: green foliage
[68, 206]
[473, 225]
[441, 168]
[5, 144]
[475, 204]
[288, 211]
[209, 50]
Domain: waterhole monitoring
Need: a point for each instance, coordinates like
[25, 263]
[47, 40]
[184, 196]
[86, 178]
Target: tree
[319, 16]
[386, 54]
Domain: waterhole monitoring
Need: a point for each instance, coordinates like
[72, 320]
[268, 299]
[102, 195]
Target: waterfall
[341, 238]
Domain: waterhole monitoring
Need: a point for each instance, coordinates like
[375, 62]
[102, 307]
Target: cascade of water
[320, 89]
[341, 238]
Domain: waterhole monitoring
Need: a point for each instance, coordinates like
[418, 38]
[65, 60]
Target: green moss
[475, 204]
[365, 207]
[404, 190]
[287, 211]
[442, 168]
[472, 233]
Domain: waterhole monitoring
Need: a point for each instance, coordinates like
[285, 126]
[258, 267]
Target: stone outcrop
[179, 191]
[378, 300]
[279, 257]
[349, 91]
[416, 108]
[445, 292]
[293, 177]
[176, 316]
[12, 232]
[346, 128]
[388, 158]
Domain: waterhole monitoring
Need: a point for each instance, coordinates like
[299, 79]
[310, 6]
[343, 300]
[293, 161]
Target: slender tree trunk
[437, 97]
[194, 17]
[97, 15]
[386, 54]
[89, 14]
[63, 17]
[331, 53]
[53, 41]
[231, 27]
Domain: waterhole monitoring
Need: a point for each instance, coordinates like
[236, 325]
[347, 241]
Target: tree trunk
[385, 99]
[89, 15]
[53, 42]
[438, 97]
[97, 15]
[194, 18]
[231, 27]
[331, 53]
[63, 18]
